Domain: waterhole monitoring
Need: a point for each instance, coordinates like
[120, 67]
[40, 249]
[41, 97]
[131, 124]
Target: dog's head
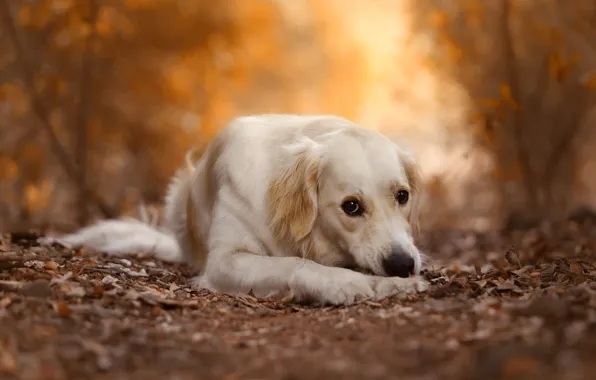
[349, 197]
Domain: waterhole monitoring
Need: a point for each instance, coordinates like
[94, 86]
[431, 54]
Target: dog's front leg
[241, 272]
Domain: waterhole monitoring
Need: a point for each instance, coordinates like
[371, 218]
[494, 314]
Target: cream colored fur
[260, 210]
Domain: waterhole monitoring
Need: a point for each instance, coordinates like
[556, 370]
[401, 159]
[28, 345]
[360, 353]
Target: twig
[41, 111]
[12, 261]
[97, 310]
[154, 300]
[10, 286]
[19, 257]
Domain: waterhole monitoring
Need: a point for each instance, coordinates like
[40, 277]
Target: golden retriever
[286, 203]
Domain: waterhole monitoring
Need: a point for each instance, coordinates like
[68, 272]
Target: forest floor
[521, 306]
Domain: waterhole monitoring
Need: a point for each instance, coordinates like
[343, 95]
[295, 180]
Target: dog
[316, 207]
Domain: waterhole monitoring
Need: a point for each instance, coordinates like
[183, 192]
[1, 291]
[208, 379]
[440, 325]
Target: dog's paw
[200, 282]
[338, 287]
[388, 286]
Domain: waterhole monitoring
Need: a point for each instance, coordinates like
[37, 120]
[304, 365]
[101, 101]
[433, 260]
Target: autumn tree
[101, 98]
[528, 69]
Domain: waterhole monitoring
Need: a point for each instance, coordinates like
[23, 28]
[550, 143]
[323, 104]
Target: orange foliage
[163, 75]
[521, 68]
[123, 88]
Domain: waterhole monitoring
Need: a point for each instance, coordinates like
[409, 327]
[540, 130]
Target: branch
[543, 81]
[511, 72]
[40, 110]
[83, 110]
[14, 144]
[579, 100]
[38, 106]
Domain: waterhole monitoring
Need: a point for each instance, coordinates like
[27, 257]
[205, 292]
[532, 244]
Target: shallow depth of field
[99, 100]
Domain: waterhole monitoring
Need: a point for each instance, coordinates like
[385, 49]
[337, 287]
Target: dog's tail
[127, 235]
[121, 237]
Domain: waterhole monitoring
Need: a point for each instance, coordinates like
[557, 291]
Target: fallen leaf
[521, 366]
[512, 257]
[63, 310]
[548, 272]
[51, 265]
[8, 361]
[576, 268]
[98, 290]
[37, 288]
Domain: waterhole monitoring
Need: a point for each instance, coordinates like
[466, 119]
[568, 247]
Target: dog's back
[194, 188]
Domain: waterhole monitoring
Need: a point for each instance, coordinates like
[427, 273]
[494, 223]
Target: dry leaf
[62, 309]
[512, 257]
[51, 265]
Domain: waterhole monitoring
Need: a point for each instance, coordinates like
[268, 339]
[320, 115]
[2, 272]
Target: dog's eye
[402, 197]
[352, 207]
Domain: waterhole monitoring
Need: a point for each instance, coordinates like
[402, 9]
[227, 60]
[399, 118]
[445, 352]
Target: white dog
[281, 203]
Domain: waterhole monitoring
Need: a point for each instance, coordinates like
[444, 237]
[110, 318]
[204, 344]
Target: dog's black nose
[399, 264]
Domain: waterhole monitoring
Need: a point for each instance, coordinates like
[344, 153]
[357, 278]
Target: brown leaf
[38, 288]
[8, 362]
[462, 281]
[535, 274]
[51, 265]
[521, 366]
[98, 290]
[548, 272]
[509, 287]
[154, 300]
[576, 268]
[63, 310]
[512, 257]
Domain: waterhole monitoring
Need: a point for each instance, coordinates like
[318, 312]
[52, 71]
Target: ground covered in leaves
[516, 307]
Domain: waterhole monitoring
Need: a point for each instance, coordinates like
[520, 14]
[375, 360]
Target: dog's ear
[292, 194]
[415, 181]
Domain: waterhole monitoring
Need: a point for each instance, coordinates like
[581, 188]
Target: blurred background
[99, 99]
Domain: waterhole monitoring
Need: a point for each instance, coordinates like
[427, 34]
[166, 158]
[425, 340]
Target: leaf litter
[501, 306]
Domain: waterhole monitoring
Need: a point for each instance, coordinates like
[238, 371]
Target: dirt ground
[521, 306]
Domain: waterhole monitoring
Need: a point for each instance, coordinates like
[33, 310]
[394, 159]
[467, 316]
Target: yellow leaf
[24, 16]
[438, 19]
[555, 36]
[38, 196]
[41, 83]
[589, 80]
[35, 158]
[62, 87]
[575, 58]
[474, 13]
[138, 4]
[506, 95]
[490, 103]
[37, 15]
[180, 78]
[16, 97]
[105, 22]
[452, 48]
[61, 6]
[558, 66]
[8, 168]
[57, 119]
